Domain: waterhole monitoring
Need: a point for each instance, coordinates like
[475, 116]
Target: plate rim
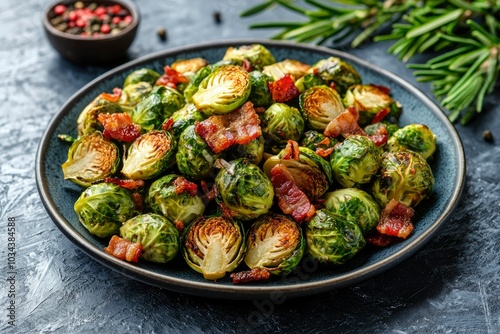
[209, 289]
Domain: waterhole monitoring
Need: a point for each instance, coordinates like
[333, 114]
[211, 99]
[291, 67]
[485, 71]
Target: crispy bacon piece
[119, 126]
[179, 225]
[395, 220]
[247, 65]
[184, 186]
[291, 150]
[138, 202]
[378, 239]
[124, 249]
[384, 89]
[291, 199]
[380, 136]
[115, 97]
[324, 153]
[208, 194]
[255, 274]
[127, 184]
[345, 124]
[168, 124]
[381, 115]
[284, 89]
[171, 78]
[238, 127]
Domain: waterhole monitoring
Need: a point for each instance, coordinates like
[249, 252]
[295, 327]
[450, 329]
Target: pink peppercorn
[105, 28]
[59, 9]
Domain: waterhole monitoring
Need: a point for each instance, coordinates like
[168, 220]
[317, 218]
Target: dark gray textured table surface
[452, 285]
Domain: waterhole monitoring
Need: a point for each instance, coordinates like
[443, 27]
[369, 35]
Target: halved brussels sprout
[184, 117]
[314, 140]
[223, 90]
[103, 207]
[195, 159]
[405, 176]
[87, 121]
[90, 158]
[308, 81]
[335, 70]
[161, 103]
[280, 123]
[158, 236]
[319, 105]
[214, 246]
[355, 161]
[275, 242]
[149, 155]
[244, 189]
[260, 95]
[311, 173]
[253, 151]
[356, 205]
[195, 81]
[369, 100]
[133, 94]
[374, 128]
[332, 238]
[164, 198]
[187, 66]
[257, 54]
[293, 67]
[142, 75]
[416, 137]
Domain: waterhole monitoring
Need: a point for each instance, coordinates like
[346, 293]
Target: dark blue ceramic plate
[59, 195]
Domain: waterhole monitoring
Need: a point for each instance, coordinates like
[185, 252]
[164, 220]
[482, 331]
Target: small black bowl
[92, 50]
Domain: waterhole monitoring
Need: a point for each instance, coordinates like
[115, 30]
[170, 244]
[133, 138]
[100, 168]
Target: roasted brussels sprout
[149, 155]
[405, 176]
[256, 54]
[278, 70]
[244, 189]
[142, 75]
[158, 236]
[260, 95]
[90, 158]
[161, 103]
[167, 198]
[133, 94]
[253, 151]
[103, 207]
[195, 81]
[188, 66]
[333, 239]
[355, 161]
[280, 123]
[356, 205]
[87, 121]
[308, 81]
[369, 100]
[416, 137]
[315, 140]
[223, 90]
[311, 173]
[319, 105]
[184, 117]
[275, 242]
[374, 128]
[335, 70]
[213, 246]
[195, 159]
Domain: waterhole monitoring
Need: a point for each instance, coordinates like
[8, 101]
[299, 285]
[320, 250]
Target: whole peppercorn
[487, 135]
[162, 33]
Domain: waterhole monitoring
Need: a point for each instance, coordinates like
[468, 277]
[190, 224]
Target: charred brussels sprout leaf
[405, 176]
[103, 207]
[288, 66]
[374, 128]
[356, 205]
[280, 123]
[369, 100]
[188, 66]
[416, 137]
[256, 54]
[90, 158]
[223, 90]
[142, 75]
[87, 121]
[311, 173]
[213, 246]
[260, 95]
[335, 70]
[314, 140]
[355, 161]
[319, 105]
[149, 155]
[245, 189]
[184, 117]
[165, 199]
[333, 239]
[275, 243]
[158, 236]
[195, 159]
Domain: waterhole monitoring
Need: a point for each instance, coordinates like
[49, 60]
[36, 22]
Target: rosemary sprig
[465, 34]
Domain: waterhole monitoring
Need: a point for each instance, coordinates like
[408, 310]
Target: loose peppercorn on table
[449, 285]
